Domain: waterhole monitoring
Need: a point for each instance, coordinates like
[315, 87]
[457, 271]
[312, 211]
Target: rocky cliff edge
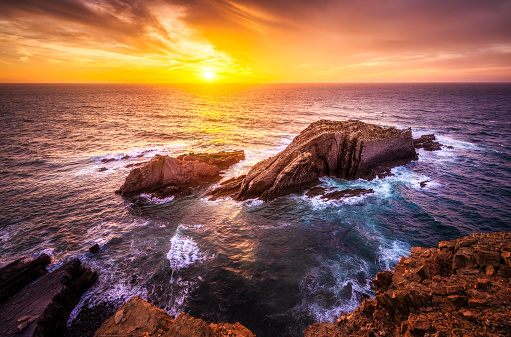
[461, 288]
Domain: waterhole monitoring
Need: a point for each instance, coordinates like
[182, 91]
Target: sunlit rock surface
[139, 318]
[165, 176]
[349, 150]
[462, 288]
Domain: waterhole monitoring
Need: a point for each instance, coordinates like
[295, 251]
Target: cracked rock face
[349, 150]
[461, 288]
[139, 318]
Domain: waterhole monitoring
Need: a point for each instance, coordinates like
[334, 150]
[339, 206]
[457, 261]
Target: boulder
[18, 274]
[42, 308]
[136, 318]
[427, 142]
[139, 318]
[165, 176]
[348, 150]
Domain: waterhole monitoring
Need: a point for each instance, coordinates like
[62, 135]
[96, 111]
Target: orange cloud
[254, 40]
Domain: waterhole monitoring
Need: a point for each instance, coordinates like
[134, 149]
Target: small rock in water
[107, 160]
[102, 169]
[125, 157]
[424, 183]
[94, 249]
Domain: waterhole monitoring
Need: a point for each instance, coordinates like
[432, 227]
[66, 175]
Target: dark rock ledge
[463, 288]
[42, 308]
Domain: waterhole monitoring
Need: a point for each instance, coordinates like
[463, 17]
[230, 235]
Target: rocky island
[343, 149]
[165, 176]
[348, 150]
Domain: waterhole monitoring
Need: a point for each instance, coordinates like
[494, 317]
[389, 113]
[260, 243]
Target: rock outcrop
[349, 150]
[463, 288]
[347, 193]
[42, 309]
[165, 176]
[139, 318]
[428, 143]
[20, 273]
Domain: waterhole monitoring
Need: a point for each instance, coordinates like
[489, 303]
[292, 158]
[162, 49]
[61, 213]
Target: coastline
[463, 287]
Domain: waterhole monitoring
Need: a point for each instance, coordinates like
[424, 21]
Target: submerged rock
[349, 150]
[165, 176]
[437, 292]
[94, 249]
[427, 142]
[139, 318]
[347, 193]
[42, 309]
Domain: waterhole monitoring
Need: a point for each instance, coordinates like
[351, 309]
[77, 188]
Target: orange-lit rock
[450, 297]
[139, 318]
[166, 176]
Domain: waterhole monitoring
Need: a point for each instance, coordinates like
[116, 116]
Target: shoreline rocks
[42, 308]
[20, 273]
[165, 176]
[461, 288]
[348, 150]
[428, 143]
[139, 318]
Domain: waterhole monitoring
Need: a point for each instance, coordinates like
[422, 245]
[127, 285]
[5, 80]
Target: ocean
[277, 266]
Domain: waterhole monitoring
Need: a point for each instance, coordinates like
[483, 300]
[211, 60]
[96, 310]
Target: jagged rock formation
[349, 150]
[428, 143]
[463, 288]
[139, 318]
[165, 176]
[42, 309]
[18, 274]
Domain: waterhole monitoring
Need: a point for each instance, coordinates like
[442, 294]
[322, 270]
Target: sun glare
[209, 75]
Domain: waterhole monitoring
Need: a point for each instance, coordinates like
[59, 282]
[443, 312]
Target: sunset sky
[255, 41]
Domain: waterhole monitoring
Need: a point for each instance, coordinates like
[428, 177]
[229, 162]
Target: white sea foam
[317, 295]
[389, 255]
[184, 251]
[318, 203]
[156, 201]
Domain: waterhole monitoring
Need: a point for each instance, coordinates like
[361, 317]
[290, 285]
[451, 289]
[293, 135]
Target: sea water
[276, 266]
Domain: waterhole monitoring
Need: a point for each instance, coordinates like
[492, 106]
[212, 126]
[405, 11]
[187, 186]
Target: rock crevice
[462, 288]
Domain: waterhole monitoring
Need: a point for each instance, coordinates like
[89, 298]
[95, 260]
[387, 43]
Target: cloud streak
[286, 40]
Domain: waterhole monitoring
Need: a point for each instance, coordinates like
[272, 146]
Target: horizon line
[255, 83]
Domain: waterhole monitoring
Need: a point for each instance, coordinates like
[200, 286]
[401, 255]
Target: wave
[184, 251]
[334, 287]
[154, 200]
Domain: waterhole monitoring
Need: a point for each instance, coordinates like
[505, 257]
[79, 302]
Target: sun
[209, 75]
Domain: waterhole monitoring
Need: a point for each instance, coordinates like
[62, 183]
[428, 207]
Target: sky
[176, 41]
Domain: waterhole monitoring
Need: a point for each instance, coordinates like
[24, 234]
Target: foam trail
[184, 251]
[156, 201]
